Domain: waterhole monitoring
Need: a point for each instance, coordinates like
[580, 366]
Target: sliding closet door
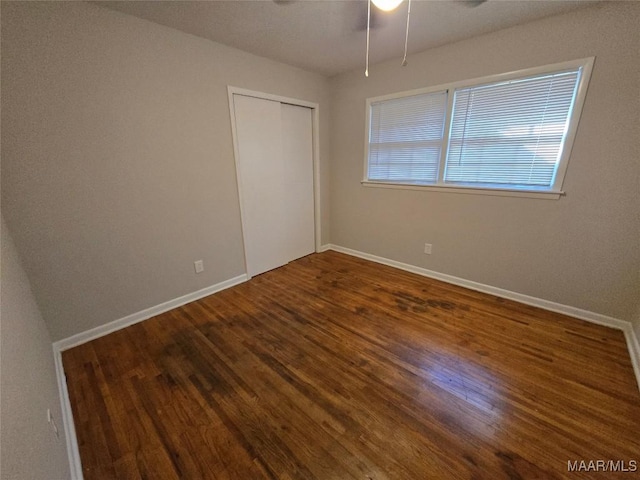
[297, 152]
[261, 169]
[275, 167]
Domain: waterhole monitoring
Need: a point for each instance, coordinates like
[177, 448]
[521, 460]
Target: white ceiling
[328, 36]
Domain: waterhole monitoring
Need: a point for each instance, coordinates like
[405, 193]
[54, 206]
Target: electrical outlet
[427, 248]
[199, 266]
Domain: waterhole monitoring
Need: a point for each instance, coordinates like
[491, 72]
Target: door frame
[315, 126]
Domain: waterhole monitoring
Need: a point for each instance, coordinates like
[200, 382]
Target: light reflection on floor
[471, 387]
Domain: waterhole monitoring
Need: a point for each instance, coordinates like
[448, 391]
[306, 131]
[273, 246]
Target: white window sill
[547, 195]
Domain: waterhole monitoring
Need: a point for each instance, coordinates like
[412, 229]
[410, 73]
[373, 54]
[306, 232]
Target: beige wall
[117, 157]
[582, 250]
[28, 384]
[118, 168]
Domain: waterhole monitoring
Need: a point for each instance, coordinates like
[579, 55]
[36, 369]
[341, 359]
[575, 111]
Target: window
[406, 138]
[507, 133]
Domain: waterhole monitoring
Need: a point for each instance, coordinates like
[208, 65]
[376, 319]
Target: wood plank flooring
[333, 367]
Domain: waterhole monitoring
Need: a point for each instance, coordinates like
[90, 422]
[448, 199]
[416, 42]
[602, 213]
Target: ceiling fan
[375, 18]
[389, 5]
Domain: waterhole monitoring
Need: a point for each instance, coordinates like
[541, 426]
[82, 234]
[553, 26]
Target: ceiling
[328, 36]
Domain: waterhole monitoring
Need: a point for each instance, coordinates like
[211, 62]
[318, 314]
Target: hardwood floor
[333, 367]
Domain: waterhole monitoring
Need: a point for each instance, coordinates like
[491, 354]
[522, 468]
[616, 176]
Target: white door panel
[297, 150]
[261, 169]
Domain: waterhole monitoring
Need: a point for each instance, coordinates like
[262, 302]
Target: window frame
[554, 192]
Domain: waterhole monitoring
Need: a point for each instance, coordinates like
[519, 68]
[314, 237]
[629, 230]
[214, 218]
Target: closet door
[297, 153]
[275, 169]
[261, 170]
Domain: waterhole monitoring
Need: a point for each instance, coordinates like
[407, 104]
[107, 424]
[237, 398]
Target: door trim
[315, 125]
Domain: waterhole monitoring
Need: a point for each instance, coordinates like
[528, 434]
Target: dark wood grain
[333, 367]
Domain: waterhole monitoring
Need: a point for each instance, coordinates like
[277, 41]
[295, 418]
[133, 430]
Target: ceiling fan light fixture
[386, 5]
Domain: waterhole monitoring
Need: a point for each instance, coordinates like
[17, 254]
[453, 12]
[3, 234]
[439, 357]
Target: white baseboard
[73, 452]
[58, 347]
[618, 324]
[324, 248]
[633, 344]
[107, 328]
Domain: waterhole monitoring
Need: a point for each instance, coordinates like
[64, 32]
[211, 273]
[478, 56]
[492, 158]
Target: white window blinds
[510, 134]
[405, 138]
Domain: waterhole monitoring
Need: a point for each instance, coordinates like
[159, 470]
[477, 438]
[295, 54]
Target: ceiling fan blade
[472, 3]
